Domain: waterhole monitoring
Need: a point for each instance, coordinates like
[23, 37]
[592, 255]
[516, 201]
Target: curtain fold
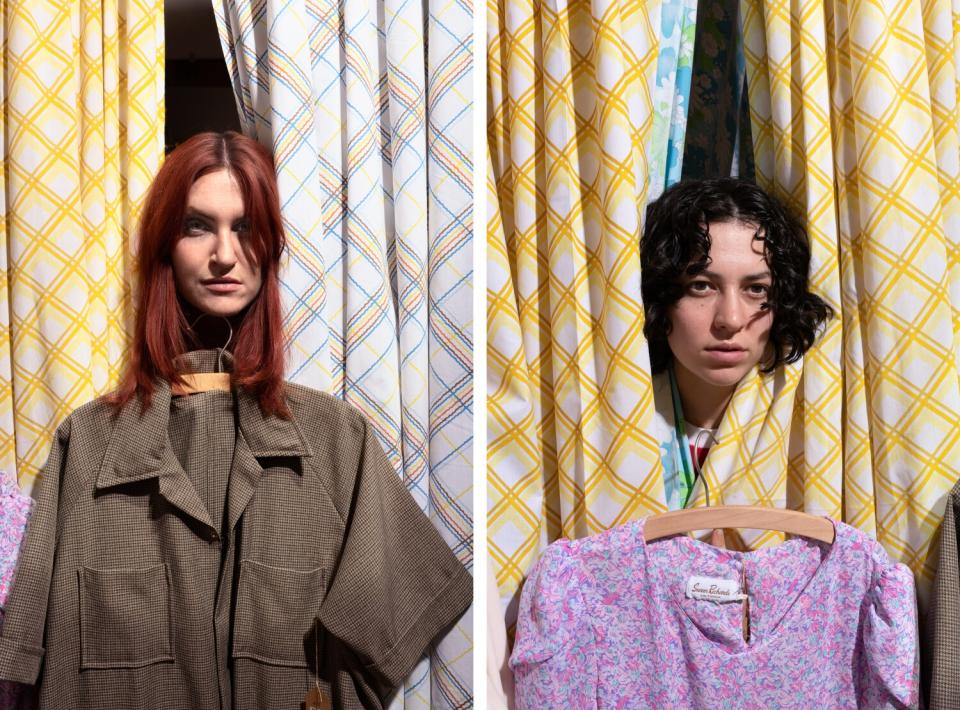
[570, 130]
[671, 95]
[367, 110]
[83, 137]
[718, 112]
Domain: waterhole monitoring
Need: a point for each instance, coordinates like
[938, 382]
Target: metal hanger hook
[223, 349]
[220, 350]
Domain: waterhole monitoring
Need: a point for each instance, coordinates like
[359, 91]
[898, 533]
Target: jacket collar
[139, 446]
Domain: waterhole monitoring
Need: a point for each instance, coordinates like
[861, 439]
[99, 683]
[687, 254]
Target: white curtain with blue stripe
[372, 139]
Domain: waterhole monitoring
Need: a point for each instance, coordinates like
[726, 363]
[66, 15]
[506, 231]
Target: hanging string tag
[317, 699]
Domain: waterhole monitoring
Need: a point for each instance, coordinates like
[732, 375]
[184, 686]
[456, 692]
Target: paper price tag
[317, 700]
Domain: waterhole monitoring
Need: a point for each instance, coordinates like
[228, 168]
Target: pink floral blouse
[14, 512]
[612, 622]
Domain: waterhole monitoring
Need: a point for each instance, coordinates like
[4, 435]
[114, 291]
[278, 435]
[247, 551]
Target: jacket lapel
[259, 437]
[139, 449]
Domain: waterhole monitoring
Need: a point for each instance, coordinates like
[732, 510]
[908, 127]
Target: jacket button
[211, 535]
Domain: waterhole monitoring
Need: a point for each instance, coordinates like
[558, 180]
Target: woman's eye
[698, 287]
[194, 227]
[758, 290]
[241, 228]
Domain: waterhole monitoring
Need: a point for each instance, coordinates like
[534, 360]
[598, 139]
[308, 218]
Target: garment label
[714, 589]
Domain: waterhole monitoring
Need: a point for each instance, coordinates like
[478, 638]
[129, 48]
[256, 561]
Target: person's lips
[222, 285]
[726, 354]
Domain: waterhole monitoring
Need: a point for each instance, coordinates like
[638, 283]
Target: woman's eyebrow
[193, 212]
[759, 276]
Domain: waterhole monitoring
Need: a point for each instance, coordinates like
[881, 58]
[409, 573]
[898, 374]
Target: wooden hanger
[202, 382]
[739, 516]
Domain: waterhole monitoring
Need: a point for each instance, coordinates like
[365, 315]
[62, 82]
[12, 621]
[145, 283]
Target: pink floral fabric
[606, 622]
[14, 512]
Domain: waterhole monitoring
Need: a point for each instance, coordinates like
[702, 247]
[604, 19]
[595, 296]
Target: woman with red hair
[211, 238]
[210, 535]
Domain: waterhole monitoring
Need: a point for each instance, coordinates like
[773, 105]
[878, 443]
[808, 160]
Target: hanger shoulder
[202, 382]
[739, 516]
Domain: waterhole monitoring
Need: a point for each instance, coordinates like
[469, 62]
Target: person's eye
[698, 287]
[760, 291]
[242, 228]
[194, 227]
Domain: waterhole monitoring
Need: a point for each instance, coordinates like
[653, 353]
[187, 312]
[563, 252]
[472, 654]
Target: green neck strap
[688, 475]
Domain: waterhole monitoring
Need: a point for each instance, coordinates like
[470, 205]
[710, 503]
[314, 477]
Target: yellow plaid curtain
[83, 137]
[569, 398]
[854, 116]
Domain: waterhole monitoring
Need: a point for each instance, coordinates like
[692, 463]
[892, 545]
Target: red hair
[162, 332]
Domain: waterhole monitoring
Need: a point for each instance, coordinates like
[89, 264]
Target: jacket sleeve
[943, 620]
[22, 636]
[396, 584]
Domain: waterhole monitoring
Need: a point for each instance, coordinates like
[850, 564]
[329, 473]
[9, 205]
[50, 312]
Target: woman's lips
[222, 287]
[726, 356]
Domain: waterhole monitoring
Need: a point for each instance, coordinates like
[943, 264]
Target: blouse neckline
[780, 631]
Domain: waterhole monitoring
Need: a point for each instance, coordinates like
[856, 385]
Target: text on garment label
[714, 589]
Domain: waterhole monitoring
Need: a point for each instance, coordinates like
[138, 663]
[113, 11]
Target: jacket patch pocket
[276, 609]
[124, 617]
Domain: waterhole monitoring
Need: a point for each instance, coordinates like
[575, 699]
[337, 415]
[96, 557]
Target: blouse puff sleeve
[890, 675]
[553, 658]
[14, 512]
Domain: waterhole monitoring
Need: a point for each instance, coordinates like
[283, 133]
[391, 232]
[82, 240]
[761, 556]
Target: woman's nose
[225, 251]
[729, 315]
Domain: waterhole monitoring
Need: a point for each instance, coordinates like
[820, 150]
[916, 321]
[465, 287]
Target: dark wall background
[198, 92]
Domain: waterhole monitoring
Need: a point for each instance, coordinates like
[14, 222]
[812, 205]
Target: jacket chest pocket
[275, 613]
[124, 617]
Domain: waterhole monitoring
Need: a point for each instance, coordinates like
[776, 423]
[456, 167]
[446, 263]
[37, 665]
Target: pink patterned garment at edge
[612, 622]
[14, 513]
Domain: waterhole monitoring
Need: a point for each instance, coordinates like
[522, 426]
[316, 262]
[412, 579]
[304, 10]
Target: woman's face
[211, 265]
[719, 330]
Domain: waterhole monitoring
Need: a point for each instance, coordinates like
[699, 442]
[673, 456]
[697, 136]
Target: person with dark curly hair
[724, 269]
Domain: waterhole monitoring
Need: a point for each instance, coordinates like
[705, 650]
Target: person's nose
[730, 314]
[224, 255]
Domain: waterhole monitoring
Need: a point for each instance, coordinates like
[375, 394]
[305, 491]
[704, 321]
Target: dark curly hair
[676, 244]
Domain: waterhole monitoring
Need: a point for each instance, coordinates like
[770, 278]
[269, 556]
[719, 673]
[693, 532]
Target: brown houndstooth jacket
[201, 555]
[942, 643]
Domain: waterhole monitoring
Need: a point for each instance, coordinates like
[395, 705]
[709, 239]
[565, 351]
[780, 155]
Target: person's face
[212, 270]
[719, 331]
